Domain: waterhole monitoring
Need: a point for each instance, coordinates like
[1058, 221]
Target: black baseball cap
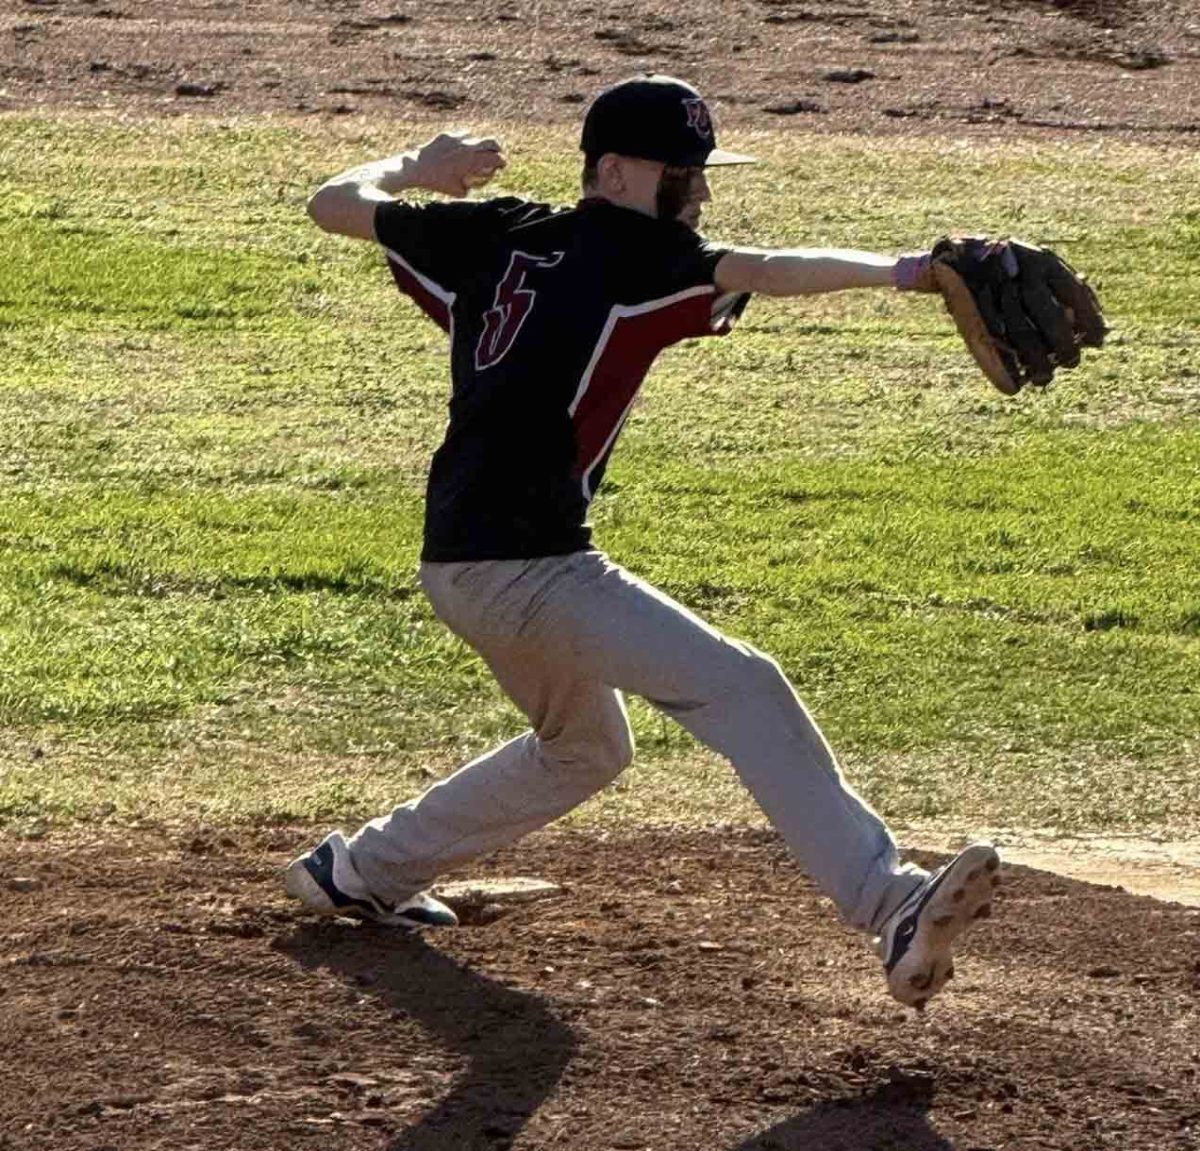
[655, 118]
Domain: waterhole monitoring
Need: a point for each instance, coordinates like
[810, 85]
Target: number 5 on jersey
[513, 303]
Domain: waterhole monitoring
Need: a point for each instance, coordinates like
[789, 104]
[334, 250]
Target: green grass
[215, 421]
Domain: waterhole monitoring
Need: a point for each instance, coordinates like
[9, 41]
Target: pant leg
[581, 740]
[608, 626]
[583, 621]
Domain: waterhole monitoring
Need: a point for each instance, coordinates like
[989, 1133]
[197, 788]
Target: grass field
[215, 423]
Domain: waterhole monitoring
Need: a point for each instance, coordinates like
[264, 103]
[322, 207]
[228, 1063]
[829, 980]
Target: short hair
[591, 173]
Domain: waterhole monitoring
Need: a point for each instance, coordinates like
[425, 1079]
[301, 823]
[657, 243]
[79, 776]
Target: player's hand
[454, 162]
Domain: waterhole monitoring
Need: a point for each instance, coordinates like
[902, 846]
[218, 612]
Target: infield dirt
[689, 989]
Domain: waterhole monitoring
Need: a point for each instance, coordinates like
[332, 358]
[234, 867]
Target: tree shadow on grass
[515, 1047]
[886, 1119]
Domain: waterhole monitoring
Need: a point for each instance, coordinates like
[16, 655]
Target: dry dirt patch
[690, 989]
[878, 66]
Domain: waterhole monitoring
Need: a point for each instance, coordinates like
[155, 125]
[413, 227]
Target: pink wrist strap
[911, 273]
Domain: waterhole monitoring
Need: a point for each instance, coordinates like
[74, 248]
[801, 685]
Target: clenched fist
[454, 162]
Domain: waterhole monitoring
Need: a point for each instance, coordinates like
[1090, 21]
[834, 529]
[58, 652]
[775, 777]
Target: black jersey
[554, 315]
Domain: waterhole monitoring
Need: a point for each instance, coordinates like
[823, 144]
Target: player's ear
[610, 174]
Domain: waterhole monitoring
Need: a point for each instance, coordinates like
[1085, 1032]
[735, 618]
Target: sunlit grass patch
[215, 422]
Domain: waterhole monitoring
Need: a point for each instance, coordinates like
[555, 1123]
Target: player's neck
[618, 200]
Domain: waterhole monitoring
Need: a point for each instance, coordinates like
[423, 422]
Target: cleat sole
[917, 947]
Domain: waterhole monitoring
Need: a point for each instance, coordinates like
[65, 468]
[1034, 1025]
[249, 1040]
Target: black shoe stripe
[320, 866]
[907, 930]
[423, 916]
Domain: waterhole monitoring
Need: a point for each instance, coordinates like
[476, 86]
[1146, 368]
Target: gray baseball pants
[564, 636]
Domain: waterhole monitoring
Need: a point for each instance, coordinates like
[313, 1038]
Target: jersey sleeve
[685, 266]
[432, 248]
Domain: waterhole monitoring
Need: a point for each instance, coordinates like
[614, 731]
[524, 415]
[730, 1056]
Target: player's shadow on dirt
[516, 1049]
[885, 1118]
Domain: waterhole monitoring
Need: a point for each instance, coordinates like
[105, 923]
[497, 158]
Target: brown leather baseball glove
[1022, 310]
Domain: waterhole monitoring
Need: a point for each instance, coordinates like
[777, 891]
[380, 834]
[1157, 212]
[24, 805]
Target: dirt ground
[881, 66]
[690, 989]
[687, 990]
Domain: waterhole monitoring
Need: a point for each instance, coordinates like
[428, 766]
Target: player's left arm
[450, 163]
[807, 271]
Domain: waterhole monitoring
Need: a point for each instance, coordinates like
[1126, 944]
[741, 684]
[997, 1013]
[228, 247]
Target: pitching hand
[454, 162]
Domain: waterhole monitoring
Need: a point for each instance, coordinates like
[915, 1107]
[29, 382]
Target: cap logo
[698, 118]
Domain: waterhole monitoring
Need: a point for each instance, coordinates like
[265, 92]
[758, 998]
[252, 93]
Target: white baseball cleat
[326, 882]
[916, 940]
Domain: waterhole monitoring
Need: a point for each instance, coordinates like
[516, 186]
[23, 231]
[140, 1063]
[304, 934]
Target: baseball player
[555, 315]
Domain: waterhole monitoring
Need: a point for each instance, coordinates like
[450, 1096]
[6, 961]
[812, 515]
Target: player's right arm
[449, 163]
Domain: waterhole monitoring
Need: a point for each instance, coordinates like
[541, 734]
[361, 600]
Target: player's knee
[769, 694]
[610, 750]
[618, 745]
[601, 751]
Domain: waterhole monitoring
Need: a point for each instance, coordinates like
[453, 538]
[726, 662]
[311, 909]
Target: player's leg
[618, 629]
[580, 741]
[736, 700]
[581, 621]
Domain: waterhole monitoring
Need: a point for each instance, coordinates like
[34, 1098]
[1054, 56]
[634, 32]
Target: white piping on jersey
[532, 223]
[722, 309]
[587, 475]
[434, 289]
[617, 313]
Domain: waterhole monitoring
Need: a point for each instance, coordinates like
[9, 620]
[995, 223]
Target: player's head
[646, 144]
